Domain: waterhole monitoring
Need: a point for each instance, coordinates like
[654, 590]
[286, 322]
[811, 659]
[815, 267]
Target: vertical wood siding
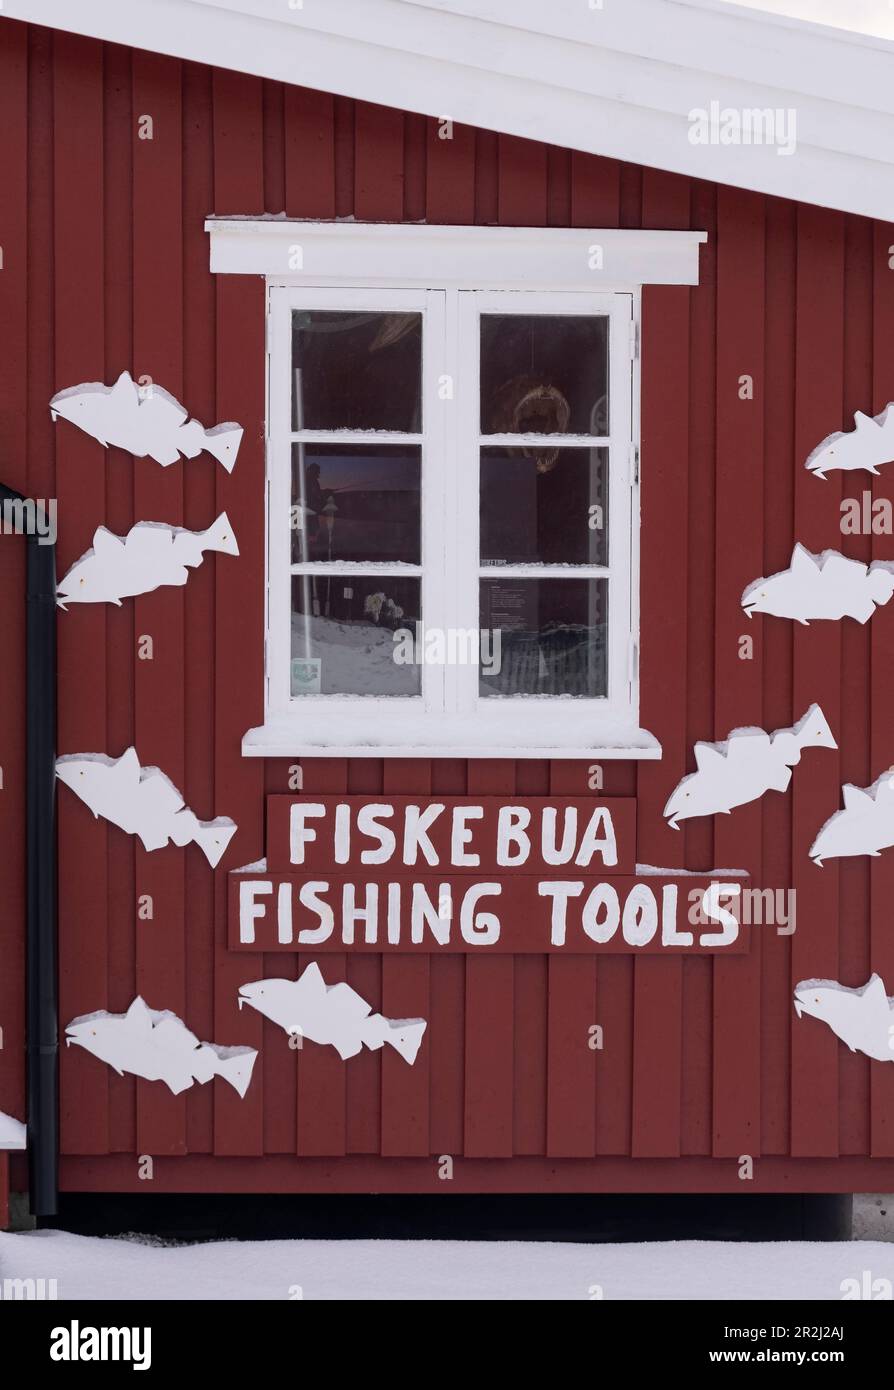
[105, 267]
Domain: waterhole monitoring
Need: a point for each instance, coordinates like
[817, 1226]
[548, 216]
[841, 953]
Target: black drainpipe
[41, 970]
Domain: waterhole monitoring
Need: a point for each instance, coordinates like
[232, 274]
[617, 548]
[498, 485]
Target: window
[453, 491]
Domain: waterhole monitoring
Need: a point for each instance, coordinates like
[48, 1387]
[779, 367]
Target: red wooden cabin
[726, 357]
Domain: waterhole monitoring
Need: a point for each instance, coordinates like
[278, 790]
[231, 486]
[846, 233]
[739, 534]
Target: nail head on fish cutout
[142, 801]
[331, 1014]
[827, 586]
[148, 424]
[868, 445]
[157, 1046]
[149, 557]
[748, 764]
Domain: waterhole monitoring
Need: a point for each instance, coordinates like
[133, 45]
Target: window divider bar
[353, 437]
[550, 441]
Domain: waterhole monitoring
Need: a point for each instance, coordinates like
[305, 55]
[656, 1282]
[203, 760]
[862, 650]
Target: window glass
[354, 635]
[357, 371]
[544, 637]
[355, 502]
[544, 374]
[544, 506]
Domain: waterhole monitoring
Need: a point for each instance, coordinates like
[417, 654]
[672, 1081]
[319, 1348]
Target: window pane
[547, 506]
[356, 371]
[354, 635]
[355, 502]
[544, 374]
[545, 637]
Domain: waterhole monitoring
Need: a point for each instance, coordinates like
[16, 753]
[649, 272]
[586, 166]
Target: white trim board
[557, 258]
[619, 81]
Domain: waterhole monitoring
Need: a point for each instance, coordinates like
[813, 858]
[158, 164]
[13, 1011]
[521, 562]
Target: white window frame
[435, 270]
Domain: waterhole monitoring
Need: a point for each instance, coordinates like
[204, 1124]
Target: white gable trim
[361, 253]
[618, 81]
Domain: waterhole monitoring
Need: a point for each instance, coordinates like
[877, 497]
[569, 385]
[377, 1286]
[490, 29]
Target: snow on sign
[465, 874]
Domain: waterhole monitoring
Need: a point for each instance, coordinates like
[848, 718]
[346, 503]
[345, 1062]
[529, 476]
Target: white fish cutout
[142, 801]
[862, 1018]
[148, 557]
[822, 586]
[865, 826]
[869, 444]
[158, 1046]
[148, 424]
[13, 1134]
[333, 1014]
[748, 764]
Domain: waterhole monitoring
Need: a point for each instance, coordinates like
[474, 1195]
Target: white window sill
[517, 733]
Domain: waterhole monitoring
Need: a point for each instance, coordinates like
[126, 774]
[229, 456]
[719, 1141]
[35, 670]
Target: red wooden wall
[105, 266]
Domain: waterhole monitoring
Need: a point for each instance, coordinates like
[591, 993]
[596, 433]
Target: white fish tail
[405, 1036]
[235, 1065]
[212, 838]
[223, 442]
[220, 536]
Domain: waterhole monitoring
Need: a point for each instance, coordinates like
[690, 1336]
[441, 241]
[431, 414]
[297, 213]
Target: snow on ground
[88, 1267]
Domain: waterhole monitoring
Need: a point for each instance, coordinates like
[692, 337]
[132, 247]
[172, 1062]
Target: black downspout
[41, 967]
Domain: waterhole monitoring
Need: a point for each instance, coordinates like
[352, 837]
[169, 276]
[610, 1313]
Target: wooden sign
[466, 874]
[456, 834]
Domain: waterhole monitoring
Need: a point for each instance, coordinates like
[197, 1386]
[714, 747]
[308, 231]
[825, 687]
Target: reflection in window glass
[544, 506]
[353, 635]
[544, 374]
[355, 502]
[358, 371]
[550, 635]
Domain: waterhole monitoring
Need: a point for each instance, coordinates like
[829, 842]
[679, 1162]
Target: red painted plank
[522, 189]
[4, 1191]
[663, 671]
[118, 141]
[854, 931]
[199, 486]
[82, 638]
[572, 1061]
[321, 1072]
[13, 430]
[595, 190]
[159, 616]
[738, 550]
[882, 683]
[239, 589]
[524, 1175]
[450, 172]
[489, 1061]
[309, 119]
[776, 648]
[406, 988]
[816, 781]
[378, 163]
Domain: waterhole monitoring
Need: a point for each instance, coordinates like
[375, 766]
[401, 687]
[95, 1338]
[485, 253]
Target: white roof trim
[620, 81]
[363, 252]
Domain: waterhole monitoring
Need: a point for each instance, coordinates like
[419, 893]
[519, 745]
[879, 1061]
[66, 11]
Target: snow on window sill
[511, 734]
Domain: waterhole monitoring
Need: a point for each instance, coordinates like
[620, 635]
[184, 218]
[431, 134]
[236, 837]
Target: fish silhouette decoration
[862, 1018]
[333, 1014]
[748, 764]
[868, 445]
[13, 1134]
[822, 586]
[148, 423]
[142, 801]
[149, 556]
[865, 826]
[158, 1046]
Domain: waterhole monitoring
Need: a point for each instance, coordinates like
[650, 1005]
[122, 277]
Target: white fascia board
[620, 82]
[375, 252]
